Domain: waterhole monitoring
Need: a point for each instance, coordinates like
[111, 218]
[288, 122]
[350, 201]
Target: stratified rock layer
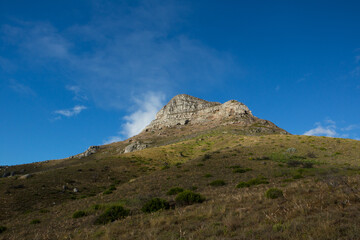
[184, 109]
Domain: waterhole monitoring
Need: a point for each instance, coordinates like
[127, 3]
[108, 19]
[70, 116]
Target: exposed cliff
[187, 110]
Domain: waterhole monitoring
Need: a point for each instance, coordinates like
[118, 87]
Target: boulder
[26, 176]
[136, 146]
[88, 152]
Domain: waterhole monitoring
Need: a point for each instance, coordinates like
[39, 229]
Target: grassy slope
[321, 202]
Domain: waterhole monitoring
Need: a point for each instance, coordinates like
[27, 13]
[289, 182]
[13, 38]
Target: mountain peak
[184, 109]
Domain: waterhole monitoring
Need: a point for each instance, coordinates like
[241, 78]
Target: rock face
[88, 152]
[184, 109]
[135, 147]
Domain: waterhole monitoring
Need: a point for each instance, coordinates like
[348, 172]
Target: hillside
[229, 157]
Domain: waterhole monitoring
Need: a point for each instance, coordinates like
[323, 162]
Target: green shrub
[208, 175]
[175, 190]
[3, 229]
[297, 176]
[257, 181]
[254, 181]
[108, 191]
[112, 188]
[96, 207]
[278, 227]
[112, 214]
[273, 193]
[154, 205]
[243, 185]
[79, 214]
[35, 221]
[188, 197]
[165, 167]
[235, 166]
[217, 183]
[241, 170]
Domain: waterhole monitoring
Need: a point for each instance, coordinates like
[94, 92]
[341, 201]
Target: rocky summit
[184, 109]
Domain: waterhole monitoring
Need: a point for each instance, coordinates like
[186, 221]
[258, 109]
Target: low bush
[3, 229]
[254, 181]
[175, 190]
[79, 214]
[307, 165]
[35, 221]
[273, 193]
[241, 170]
[217, 183]
[257, 181]
[297, 176]
[96, 206]
[108, 191]
[154, 205]
[208, 175]
[165, 167]
[188, 197]
[243, 185]
[278, 227]
[112, 214]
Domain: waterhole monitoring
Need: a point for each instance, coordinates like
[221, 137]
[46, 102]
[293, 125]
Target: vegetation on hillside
[218, 184]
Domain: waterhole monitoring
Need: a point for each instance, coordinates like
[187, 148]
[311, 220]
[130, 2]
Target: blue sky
[81, 73]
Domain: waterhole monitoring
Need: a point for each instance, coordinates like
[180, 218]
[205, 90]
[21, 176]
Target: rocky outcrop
[26, 176]
[88, 152]
[136, 146]
[184, 109]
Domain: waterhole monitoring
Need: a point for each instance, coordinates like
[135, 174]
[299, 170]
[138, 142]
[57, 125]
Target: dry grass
[323, 203]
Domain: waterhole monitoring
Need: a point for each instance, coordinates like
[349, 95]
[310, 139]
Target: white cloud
[328, 131]
[329, 128]
[37, 40]
[125, 49]
[351, 127]
[146, 108]
[71, 112]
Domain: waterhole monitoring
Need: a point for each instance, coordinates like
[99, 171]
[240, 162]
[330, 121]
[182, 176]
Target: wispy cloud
[329, 128]
[71, 112]
[21, 88]
[36, 39]
[320, 130]
[147, 106]
[125, 50]
[145, 109]
[78, 92]
[351, 127]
